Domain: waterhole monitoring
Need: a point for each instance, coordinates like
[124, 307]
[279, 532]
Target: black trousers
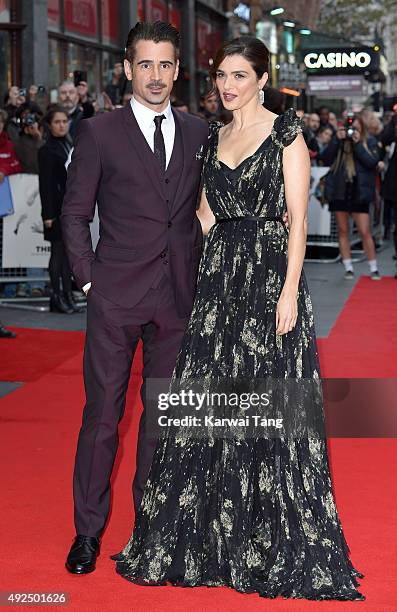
[58, 267]
[390, 216]
[112, 335]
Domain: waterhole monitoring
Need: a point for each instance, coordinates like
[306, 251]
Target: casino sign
[358, 60]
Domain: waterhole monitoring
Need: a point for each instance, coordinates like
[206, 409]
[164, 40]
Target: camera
[78, 76]
[29, 120]
[22, 92]
[349, 125]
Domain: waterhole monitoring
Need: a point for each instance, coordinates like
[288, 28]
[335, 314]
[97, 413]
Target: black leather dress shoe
[82, 556]
[6, 333]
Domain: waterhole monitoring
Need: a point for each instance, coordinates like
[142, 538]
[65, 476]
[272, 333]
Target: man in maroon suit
[142, 165]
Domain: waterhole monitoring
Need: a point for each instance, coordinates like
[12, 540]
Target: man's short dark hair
[159, 31]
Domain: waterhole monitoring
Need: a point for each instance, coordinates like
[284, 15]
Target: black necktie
[159, 146]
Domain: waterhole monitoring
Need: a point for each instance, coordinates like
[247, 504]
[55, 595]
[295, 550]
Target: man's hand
[86, 288]
[34, 131]
[341, 133]
[82, 89]
[48, 223]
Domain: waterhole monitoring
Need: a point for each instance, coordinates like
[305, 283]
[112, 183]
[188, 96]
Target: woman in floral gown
[256, 514]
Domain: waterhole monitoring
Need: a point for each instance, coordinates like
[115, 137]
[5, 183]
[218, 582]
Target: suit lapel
[181, 123]
[142, 149]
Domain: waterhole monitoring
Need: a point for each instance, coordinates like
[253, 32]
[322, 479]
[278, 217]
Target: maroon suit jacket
[113, 165]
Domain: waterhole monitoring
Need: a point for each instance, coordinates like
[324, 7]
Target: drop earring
[261, 96]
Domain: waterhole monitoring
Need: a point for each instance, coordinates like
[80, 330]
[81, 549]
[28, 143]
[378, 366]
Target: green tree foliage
[354, 20]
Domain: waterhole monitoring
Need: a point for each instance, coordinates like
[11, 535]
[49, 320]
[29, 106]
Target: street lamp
[289, 24]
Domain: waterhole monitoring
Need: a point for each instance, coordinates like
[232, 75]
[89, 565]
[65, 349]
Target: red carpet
[35, 352]
[40, 422]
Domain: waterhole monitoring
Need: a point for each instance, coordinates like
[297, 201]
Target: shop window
[55, 76]
[86, 59]
[5, 11]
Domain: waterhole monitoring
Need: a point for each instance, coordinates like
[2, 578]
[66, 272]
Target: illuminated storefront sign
[348, 60]
[336, 86]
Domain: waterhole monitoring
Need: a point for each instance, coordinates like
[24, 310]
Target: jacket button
[167, 180]
[169, 224]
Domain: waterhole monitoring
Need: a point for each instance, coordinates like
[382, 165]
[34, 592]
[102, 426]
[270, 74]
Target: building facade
[45, 41]
[390, 41]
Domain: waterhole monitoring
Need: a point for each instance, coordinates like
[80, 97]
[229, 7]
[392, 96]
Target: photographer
[28, 145]
[350, 187]
[85, 99]
[389, 187]
[13, 100]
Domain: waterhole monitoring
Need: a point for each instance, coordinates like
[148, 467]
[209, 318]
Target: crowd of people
[360, 151]
[37, 138]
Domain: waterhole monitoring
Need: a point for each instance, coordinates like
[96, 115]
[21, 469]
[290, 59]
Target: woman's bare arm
[296, 170]
[205, 215]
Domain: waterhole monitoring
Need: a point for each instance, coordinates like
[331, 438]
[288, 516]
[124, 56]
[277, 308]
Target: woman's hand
[341, 133]
[48, 223]
[356, 136]
[286, 312]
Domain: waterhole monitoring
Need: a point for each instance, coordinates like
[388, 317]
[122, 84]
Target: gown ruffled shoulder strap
[213, 129]
[286, 128]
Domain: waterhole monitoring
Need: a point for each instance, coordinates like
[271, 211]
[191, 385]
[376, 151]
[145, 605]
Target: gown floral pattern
[257, 515]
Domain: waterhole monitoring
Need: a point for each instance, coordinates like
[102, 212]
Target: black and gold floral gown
[258, 514]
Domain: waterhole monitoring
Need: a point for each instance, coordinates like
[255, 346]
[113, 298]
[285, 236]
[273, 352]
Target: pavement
[328, 289]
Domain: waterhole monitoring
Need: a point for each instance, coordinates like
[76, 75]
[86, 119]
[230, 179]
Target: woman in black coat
[353, 158]
[52, 182]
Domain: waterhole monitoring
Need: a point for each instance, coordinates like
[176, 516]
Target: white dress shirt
[145, 119]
